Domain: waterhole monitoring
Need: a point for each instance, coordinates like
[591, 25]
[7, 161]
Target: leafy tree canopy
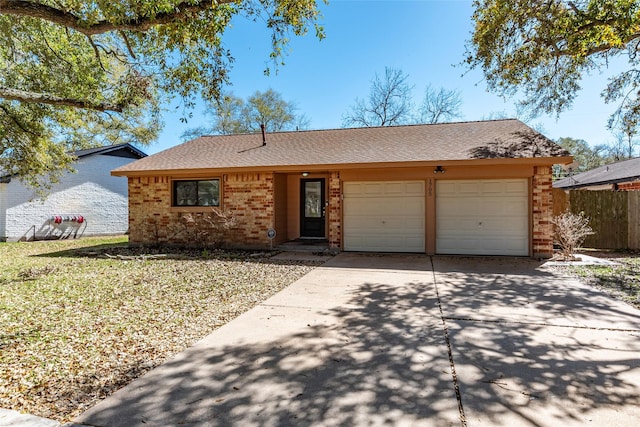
[233, 115]
[540, 49]
[587, 157]
[79, 73]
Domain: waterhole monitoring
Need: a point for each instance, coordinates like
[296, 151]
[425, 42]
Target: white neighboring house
[89, 202]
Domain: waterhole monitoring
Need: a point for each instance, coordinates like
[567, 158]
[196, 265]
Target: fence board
[608, 216]
[560, 201]
[634, 219]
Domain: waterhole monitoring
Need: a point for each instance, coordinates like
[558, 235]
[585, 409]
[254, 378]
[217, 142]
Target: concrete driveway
[404, 340]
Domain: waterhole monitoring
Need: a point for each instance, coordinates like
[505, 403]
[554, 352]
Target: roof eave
[598, 183]
[538, 161]
[111, 148]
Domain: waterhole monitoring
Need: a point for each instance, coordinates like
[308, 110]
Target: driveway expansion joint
[445, 330]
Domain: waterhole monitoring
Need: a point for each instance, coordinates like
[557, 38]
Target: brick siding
[335, 211]
[247, 197]
[542, 212]
[629, 186]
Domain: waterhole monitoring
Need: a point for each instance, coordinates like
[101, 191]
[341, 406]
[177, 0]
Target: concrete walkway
[16, 419]
[404, 340]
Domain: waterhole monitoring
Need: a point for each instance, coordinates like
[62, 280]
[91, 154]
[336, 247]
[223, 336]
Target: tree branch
[96, 53]
[45, 98]
[597, 49]
[126, 42]
[183, 10]
[17, 122]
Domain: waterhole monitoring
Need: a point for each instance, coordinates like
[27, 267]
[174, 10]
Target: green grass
[76, 325]
[621, 281]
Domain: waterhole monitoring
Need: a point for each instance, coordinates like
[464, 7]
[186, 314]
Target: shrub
[205, 229]
[570, 231]
[193, 229]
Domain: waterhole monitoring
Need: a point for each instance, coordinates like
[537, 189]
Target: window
[196, 193]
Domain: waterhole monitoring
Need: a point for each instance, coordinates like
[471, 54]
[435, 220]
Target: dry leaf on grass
[77, 325]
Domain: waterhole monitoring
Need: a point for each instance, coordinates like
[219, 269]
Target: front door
[312, 208]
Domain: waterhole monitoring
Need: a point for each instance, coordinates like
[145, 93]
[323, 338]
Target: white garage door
[482, 217]
[384, 216]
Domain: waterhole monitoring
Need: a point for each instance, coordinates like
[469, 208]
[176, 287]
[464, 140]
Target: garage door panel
[384, 243]
[516, 187]
[514, 207]
[455, 207]
[394, 188]
[390, 225]
[507, 226]
[483, 217]
[494, 188]
[468, 188]
[415, 188]
[384, 216]
[485, 246]
[383, 209]
[453, 225]
[378, 189]
[372, 188]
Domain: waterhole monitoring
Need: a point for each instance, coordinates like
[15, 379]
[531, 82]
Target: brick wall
[247, 197]
[335, 209]
[250, 198]
[149, 210]
[542, 213]
[629, 186]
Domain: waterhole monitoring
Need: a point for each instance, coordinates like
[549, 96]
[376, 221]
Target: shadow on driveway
[362, 340]
[532, 347]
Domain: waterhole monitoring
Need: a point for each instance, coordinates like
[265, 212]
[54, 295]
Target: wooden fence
[614, 216]
[634, 219]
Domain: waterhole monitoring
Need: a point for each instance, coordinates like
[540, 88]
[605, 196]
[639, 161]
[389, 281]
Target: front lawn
[620, 281]
[78, 320]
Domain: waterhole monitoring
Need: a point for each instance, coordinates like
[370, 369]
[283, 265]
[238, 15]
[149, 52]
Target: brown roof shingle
[414, 143]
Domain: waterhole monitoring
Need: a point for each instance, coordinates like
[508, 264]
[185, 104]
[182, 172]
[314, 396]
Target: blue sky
[424, 38]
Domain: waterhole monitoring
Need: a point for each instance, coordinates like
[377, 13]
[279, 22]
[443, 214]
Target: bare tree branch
[45, 98]
[389, 102]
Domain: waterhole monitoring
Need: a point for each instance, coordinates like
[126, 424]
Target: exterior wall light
[438, 169]
[305, 174]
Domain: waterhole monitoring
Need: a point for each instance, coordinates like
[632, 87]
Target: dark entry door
[312, 208]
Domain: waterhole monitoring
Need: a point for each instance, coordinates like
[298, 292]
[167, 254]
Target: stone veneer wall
[542, 212]
[248, 197]
[335, 209]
